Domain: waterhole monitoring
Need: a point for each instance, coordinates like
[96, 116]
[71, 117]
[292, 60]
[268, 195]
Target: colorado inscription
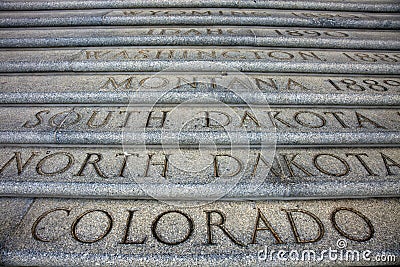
[246, 232]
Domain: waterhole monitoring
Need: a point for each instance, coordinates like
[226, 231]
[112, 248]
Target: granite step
[350, 5]
[131, 232]
[200, 16]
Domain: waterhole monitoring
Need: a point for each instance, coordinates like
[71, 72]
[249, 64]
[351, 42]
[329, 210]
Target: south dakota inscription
[206, 118]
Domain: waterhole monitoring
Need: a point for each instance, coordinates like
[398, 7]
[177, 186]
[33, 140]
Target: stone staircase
[179, 133]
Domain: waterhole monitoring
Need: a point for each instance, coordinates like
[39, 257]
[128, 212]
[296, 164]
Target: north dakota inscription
[113, 165]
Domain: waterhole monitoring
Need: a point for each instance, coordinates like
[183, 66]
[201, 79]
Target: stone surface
[136, 133]
[204, 16]
[204, 36]
[12, 211]
[350, 5]
[199, 60]
[145, 88]
[199, 174]
[126, 233]
[184, 124]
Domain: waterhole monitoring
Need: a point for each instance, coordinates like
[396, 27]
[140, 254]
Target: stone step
[233, 132]
[147, 88]
[125, 233]
[205, 124]
[200, 36]
[200, 16]
[199, 174]
[350, 5]
[167, 59]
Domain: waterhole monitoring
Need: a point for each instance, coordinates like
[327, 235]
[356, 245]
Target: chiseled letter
[20, 166]
[220, 225]
[268, 227]
[40, 218]
[161, 119]
[164, 163]
[38, 116]
[94, 163]
[127, 231]
[321, 229]
[217, 172]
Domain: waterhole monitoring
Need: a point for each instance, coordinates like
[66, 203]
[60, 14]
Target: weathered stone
[199, 60]
[204, 36]
[236, 141]
[199, 174]
[350, 5]
[205, 16]
[134, 88]
[126, 233]
[12, 211]
[211, 124]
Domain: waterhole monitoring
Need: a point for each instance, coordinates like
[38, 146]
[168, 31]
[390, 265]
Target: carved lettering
[277, 173]
[153, 82]
[38, 116]
[111, 82]
[336, 116]
[273, 116]
[90, 122]
[371, 229]
[290, 162]
[249, 117]
[238, 83]
[308, 55]
[127, 117]
[39, 166]
[182, 81]
[363, 119]
[292, 84]
[281, 55]
[321, 229]
[125, 238]
[74, 226]
[35, 225]
[162, 240]
[60, 120]
[18, 159]
[233, 54]
[220, 225]
[268, 81]
[94, 163]
[301, 119]
[389, 163]
[124, 162]
[267, 227]
[151, 119]
[342, 162]
[363, 163]
[95, 224]
[96, 54]
[164, 164]
[217, 123]
[217, 172]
